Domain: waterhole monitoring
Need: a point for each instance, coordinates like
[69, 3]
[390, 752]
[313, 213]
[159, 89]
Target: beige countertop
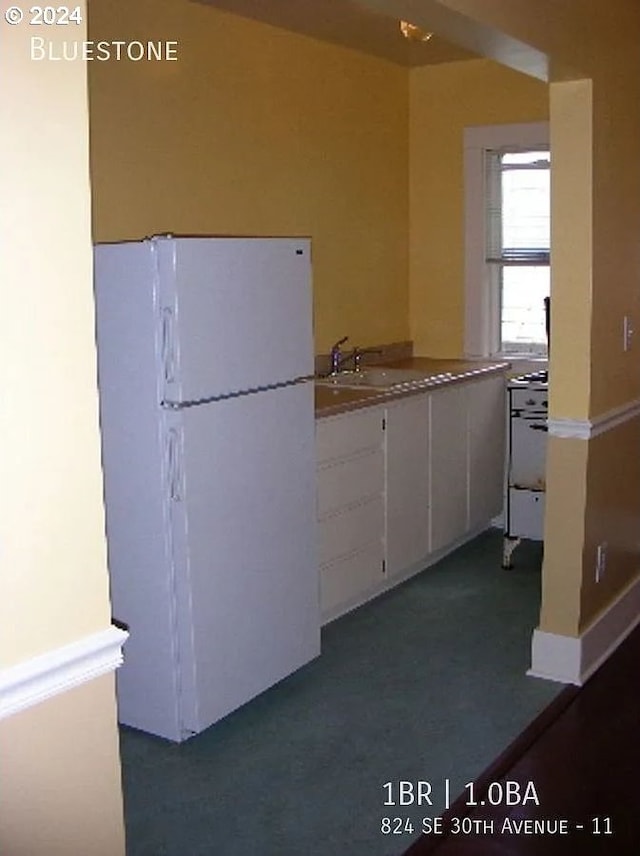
[330, 401]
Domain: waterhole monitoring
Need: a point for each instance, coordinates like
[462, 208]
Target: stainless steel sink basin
[378, 378]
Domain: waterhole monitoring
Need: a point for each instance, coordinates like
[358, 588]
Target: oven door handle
[539, 427]
[521, 413]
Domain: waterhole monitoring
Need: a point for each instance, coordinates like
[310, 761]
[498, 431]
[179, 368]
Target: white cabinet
[467, 458]
[487, 438]
[407, 483]
[351, 508]
[399, 485]
[449, 465]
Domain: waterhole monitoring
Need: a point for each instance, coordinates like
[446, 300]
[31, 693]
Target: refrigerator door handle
[168, 350]
[173, 464]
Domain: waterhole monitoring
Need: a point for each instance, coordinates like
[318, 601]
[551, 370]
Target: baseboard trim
[586, 429]
[572, 660]
[40, 678]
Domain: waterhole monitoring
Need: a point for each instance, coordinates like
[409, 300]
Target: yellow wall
[53, 573]
[572, 165]
[54, 578]
[444, 99]
[592, 498]
[612, 515]
[255, 130]
[566, 499]
[61, 776]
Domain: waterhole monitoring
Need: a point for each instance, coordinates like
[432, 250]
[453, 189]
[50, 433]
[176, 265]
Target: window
[517, 231]
[507, 190]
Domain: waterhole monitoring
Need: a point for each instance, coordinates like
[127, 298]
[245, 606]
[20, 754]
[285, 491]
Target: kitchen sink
[379, 378]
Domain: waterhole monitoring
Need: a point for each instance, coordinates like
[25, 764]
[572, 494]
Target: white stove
[532, 380]
[527, 402]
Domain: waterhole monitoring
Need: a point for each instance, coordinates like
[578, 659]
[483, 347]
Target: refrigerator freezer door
[235, 314]
[243, 528]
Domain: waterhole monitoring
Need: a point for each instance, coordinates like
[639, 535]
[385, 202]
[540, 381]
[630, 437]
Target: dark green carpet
[426, 683]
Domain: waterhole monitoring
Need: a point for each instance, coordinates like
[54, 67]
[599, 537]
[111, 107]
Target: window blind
[518, 223]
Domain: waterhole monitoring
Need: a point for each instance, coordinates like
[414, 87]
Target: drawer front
[350, 580]
[342, 436]
[350, 481]
[350, 530]
[533, 400]
[526, 513]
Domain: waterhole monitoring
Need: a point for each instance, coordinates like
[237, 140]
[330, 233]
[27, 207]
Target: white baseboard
[572, 660]
[58, 671]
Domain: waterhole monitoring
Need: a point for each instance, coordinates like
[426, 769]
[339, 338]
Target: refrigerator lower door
[242, 509]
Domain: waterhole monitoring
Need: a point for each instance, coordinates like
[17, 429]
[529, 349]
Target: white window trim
[480, 310]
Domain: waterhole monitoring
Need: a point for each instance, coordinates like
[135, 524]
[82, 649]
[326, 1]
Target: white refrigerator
[205, 350]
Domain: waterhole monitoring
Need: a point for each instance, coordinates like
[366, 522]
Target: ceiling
[347, 23]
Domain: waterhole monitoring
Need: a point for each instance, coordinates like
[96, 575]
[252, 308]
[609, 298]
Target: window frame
[482, 310]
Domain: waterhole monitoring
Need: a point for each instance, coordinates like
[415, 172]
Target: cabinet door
[449, 465]
[486, 449]
[407, 483]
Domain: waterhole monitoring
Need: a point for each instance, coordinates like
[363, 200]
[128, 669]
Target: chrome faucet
[336, 357]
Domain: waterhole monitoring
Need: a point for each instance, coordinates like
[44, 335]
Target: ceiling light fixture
[414, 33]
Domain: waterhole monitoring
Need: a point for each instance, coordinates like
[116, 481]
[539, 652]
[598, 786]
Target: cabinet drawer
[350, 529]
[526, 513]
[342, 436]
[349, 581]
[350, 481]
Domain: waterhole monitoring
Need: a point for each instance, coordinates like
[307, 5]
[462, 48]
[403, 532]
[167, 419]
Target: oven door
[528, 446]
[528, 452]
